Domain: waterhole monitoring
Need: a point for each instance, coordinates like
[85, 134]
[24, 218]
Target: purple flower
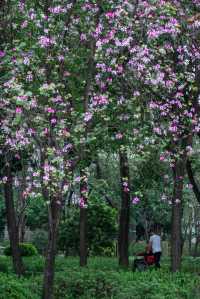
[119, 136]
[18, 110]
[46, 41]
[135, 200]
[87, 116]
[2, 54]
[53, 121]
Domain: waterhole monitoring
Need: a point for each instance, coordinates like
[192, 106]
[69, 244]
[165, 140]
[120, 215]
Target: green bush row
[101, 279]
[12, 287]
[26, 249]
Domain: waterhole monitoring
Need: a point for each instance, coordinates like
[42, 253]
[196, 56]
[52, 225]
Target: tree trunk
[196, 248]
[54, 217]
[192, 180]
[12, 223]
[22, 229]
[83, 242]
[190, 242]
[176, 231]
[83, 222]
[197, 230]
[123, 239]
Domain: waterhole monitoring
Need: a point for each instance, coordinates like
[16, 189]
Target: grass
[102, 278]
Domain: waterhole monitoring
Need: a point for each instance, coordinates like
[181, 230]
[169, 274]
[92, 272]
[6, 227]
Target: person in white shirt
[155, 245]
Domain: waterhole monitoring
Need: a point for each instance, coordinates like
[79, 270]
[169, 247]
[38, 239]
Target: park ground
[102, 278]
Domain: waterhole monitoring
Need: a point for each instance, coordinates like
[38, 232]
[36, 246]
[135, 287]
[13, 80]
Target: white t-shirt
[156, 243]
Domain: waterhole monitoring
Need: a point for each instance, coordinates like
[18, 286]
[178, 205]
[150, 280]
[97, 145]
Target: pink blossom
[46, 41]
[87, 116]
[162, 158]
[135, 200]
[77, 179]
[110, 15]
[24, 24]
[5, 178]
[50, 110]
[53, 121]
[66, 74]
[177, 201]
[2, 53]
[119, 136]
[18, 110]
[46, 131]
[82, 202]
[83, 37]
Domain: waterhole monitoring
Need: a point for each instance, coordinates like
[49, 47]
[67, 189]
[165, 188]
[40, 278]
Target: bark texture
[13, 229]
[123, 238]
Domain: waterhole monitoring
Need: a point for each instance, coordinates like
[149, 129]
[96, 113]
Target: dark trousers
[157, 256]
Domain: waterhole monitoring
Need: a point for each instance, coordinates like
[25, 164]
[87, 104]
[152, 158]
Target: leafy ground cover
[101, 279]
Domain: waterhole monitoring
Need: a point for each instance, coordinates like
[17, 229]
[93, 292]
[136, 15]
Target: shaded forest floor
[101, 279]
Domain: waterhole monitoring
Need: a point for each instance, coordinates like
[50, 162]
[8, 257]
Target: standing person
[155, 245]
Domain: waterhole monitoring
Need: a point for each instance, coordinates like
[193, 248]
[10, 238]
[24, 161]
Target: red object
[149, 258]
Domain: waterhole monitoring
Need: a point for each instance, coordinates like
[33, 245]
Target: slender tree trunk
[196, 248]
[123, 239]
[190, 242]
[83, 222]
[12, 223]
[197, 231]
[54, 217]
[22, 229]
[22, 204]
[83, 236]
[192, 180]
[176, 231]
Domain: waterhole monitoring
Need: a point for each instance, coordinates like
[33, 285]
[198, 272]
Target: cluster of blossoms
[140, 57]
[125, 185]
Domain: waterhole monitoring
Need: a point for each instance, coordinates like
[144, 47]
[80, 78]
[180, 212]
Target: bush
[33, 265]
[15, 288]
[88, 283]
[101, 220]
[85, 284]
[39, 239]
[138, 247]
[26, 249]
[4, 264]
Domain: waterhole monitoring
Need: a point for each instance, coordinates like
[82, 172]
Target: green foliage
[4, 264]
[102, 279]
[13, 288]
[101, 233]
[39, 239]
[33, 265]
[85, 284]
[37, 215]
[138, 247]
[26, 249]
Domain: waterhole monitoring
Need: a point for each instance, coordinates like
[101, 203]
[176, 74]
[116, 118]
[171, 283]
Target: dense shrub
[12, 287]
[87, 284]
[138, 247]
[5, 265]
[101, 220]
[39, 239]
[33, 265]
[26, 249]
[102, 279]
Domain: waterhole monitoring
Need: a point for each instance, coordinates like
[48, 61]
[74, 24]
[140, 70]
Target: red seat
[149, 259]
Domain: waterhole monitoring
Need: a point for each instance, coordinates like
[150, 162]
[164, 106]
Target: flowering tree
[82, 75]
